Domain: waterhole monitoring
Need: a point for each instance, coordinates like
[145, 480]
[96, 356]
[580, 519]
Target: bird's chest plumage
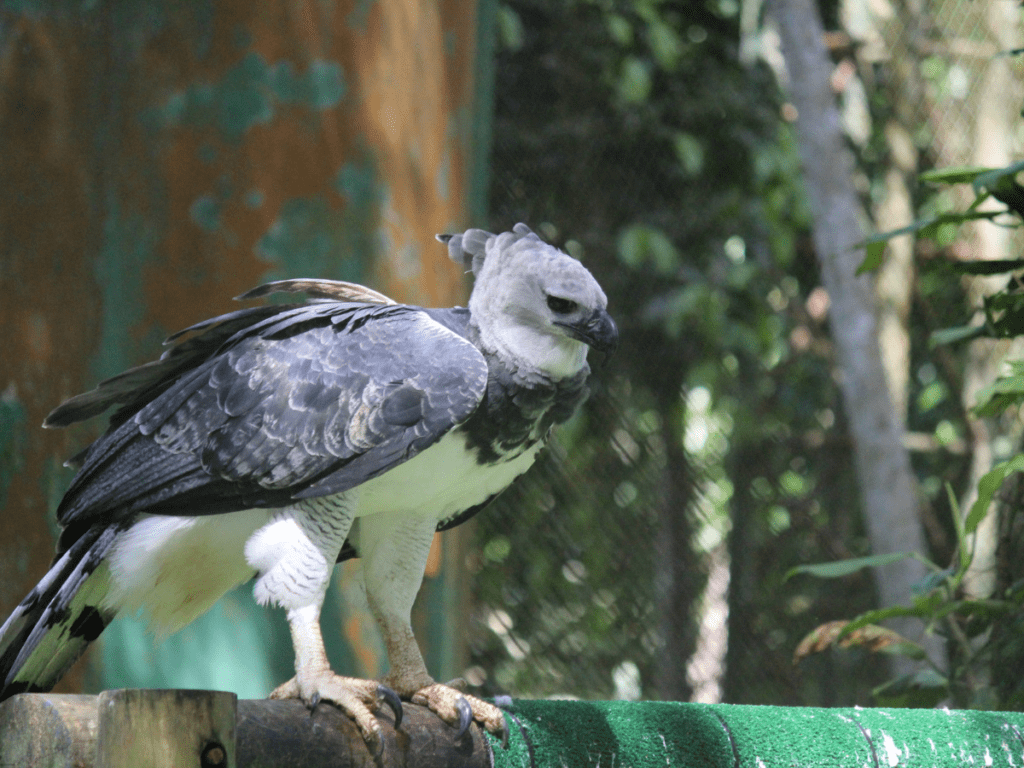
[480, 458]
[443, 481]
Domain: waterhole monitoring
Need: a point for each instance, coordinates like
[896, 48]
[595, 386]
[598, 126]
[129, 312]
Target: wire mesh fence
[646, 556]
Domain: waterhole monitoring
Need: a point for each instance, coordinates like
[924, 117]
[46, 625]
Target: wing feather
[310, 401]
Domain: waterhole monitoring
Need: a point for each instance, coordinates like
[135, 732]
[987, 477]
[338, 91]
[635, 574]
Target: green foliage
[975, 628]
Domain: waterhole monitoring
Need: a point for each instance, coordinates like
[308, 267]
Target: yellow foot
[357, 698]
[460, 709]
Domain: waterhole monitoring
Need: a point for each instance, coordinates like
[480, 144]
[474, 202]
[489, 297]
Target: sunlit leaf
[870, 637]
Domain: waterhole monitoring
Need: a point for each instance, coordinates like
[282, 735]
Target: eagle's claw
[459, 710]
[465, 716]
[391, 699]
[357, 698]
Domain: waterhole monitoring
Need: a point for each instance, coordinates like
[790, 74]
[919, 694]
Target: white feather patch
[178, 567]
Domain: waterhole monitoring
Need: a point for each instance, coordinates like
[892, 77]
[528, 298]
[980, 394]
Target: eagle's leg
[295, 554]
[314, 680]
[394, 556]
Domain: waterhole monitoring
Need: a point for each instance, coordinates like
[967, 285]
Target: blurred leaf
[922, 690]
[993, 267]
[931, 581]
[510, 28]
[1003, 393]
[842, 568]
[930, 227]
[989, 483]
[666, 45]
[634, 80]
[875, 249]
[640, 244]
[923, 606]
[961, 535]
[955, 335]
[619, 28]
[997, 178]
[690, 152]
[957, 175]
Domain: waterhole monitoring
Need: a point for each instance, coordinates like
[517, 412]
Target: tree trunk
[888, 492]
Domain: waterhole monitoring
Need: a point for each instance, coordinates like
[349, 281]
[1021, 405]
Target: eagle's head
[534, 306]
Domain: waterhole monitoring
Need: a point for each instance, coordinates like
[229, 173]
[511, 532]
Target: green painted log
[55, 730]
[162, 156]
[654, 735]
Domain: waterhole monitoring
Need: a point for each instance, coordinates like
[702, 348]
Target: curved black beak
[597, 331]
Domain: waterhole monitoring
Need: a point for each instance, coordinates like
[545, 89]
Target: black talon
[465, 716]
[392, 700]
[378, 750]
[504, 735]
[314, 702]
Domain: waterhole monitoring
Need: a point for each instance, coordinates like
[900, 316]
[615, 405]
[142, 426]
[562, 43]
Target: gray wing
[304, 401]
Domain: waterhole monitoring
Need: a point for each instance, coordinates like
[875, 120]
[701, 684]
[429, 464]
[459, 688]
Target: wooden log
[166, 729]
[48, 729]
[65, 731]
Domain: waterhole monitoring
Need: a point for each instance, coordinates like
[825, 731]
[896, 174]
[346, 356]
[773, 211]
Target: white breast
[443, 480]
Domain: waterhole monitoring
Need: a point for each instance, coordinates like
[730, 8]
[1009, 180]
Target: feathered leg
[295, 554]
[394, 555]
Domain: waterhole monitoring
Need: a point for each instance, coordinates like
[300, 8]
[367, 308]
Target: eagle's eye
[561, 306]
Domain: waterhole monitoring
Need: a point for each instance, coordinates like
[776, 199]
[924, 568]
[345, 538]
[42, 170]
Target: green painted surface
[236, 646]
[129, 242]
[654, 734]
[307, 237]
[249, 94]
[13, 439]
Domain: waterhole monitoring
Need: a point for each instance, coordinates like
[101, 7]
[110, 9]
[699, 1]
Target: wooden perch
[211, 729]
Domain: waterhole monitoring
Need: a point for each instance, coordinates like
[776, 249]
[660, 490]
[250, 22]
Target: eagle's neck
[514, 415]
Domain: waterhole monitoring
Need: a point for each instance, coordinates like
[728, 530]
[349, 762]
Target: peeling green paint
[357, 182]
[360, 15]
[309, 238]
[254, 199]
[249, 94]
[129, 242]
[205, 212]
[322, 87]
[13, 439]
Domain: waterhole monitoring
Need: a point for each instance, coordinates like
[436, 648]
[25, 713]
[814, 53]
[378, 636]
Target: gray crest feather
[468, 249]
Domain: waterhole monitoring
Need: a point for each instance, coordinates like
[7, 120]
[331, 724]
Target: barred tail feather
[58, 619]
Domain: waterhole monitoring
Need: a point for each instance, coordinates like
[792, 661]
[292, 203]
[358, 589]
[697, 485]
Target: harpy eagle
[272, 442]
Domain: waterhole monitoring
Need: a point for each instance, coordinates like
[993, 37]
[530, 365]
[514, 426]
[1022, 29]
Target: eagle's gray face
[538, 307]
